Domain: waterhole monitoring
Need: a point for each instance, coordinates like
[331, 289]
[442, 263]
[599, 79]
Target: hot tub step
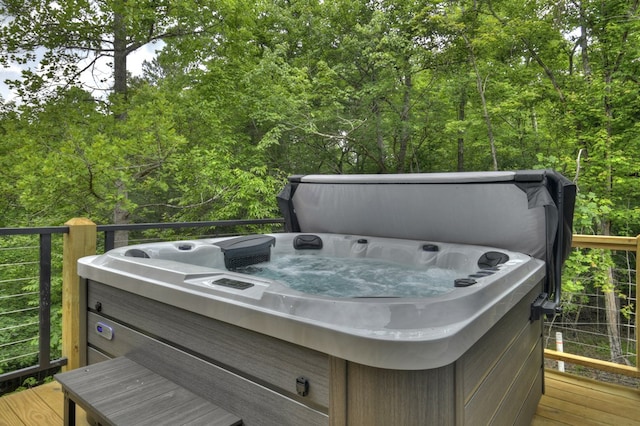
[123, 392]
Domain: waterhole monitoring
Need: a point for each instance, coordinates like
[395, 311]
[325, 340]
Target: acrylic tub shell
[392, 333]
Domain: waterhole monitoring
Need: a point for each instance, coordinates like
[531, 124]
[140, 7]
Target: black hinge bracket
[543, 306]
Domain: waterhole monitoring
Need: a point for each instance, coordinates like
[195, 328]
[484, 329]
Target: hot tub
[279, 329]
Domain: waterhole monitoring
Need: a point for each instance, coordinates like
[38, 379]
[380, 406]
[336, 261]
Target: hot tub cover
[527, 211]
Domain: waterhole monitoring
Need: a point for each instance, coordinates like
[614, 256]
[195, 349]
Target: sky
[89, 78]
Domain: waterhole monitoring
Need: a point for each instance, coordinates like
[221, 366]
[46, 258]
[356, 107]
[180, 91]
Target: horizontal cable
[18, 357]
[14, 327]
[17, 311]
[16, 342]
[15, 296]
[16, 280]
[3, 265]
[19, 248]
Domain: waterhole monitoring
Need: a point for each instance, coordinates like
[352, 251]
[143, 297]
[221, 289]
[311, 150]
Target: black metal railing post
[109, 240]
[44, 337]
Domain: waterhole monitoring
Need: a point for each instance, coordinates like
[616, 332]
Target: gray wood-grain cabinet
[267, 381]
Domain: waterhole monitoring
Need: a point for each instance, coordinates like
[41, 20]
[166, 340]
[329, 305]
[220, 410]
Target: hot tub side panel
[381, 397]
[249, 374]
[498, 381]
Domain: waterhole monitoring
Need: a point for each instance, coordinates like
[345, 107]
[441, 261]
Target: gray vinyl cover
[529, 211]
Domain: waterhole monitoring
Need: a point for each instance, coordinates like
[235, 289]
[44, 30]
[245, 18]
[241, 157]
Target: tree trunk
[613, 329]
[120, 213]
[461, 110]
[612, 311]
[119, 52]
[382, 157]
[584, 44]
[405, 116]
[610, 295]
[485, 111]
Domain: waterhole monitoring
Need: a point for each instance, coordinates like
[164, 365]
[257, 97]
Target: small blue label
[104, 330]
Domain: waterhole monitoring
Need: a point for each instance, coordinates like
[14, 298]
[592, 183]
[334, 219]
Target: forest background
[243, 93]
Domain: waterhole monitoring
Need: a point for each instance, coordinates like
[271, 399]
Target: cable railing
[599, 322]
[31, 303]
[34, 290]
[31, 278]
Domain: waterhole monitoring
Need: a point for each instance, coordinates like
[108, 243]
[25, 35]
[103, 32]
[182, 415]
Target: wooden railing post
[79, 242]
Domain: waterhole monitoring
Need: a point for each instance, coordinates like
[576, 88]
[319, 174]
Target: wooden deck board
[32, 409]
[7, 416]
[42, 405]
[569, 400]
[572, 400]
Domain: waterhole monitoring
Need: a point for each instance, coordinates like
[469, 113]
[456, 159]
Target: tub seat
[122, 392]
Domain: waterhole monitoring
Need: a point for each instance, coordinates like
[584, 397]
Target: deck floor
[568, 400]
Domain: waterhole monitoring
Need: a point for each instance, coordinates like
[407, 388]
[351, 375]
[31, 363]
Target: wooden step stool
[123, 392]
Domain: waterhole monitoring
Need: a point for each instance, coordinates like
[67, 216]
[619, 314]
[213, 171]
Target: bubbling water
[354, 277]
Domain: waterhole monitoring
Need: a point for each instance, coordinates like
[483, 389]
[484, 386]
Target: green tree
[608, 37]
[75, 35]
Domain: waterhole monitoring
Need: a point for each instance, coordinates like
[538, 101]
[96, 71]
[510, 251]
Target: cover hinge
[543, 306]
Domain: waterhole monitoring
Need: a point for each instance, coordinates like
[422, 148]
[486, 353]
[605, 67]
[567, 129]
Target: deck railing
[43, 350]
[626, 246]
[80, 238]
[33, 288]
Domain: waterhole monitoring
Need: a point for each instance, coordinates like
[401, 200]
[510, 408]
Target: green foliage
[243, 94]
